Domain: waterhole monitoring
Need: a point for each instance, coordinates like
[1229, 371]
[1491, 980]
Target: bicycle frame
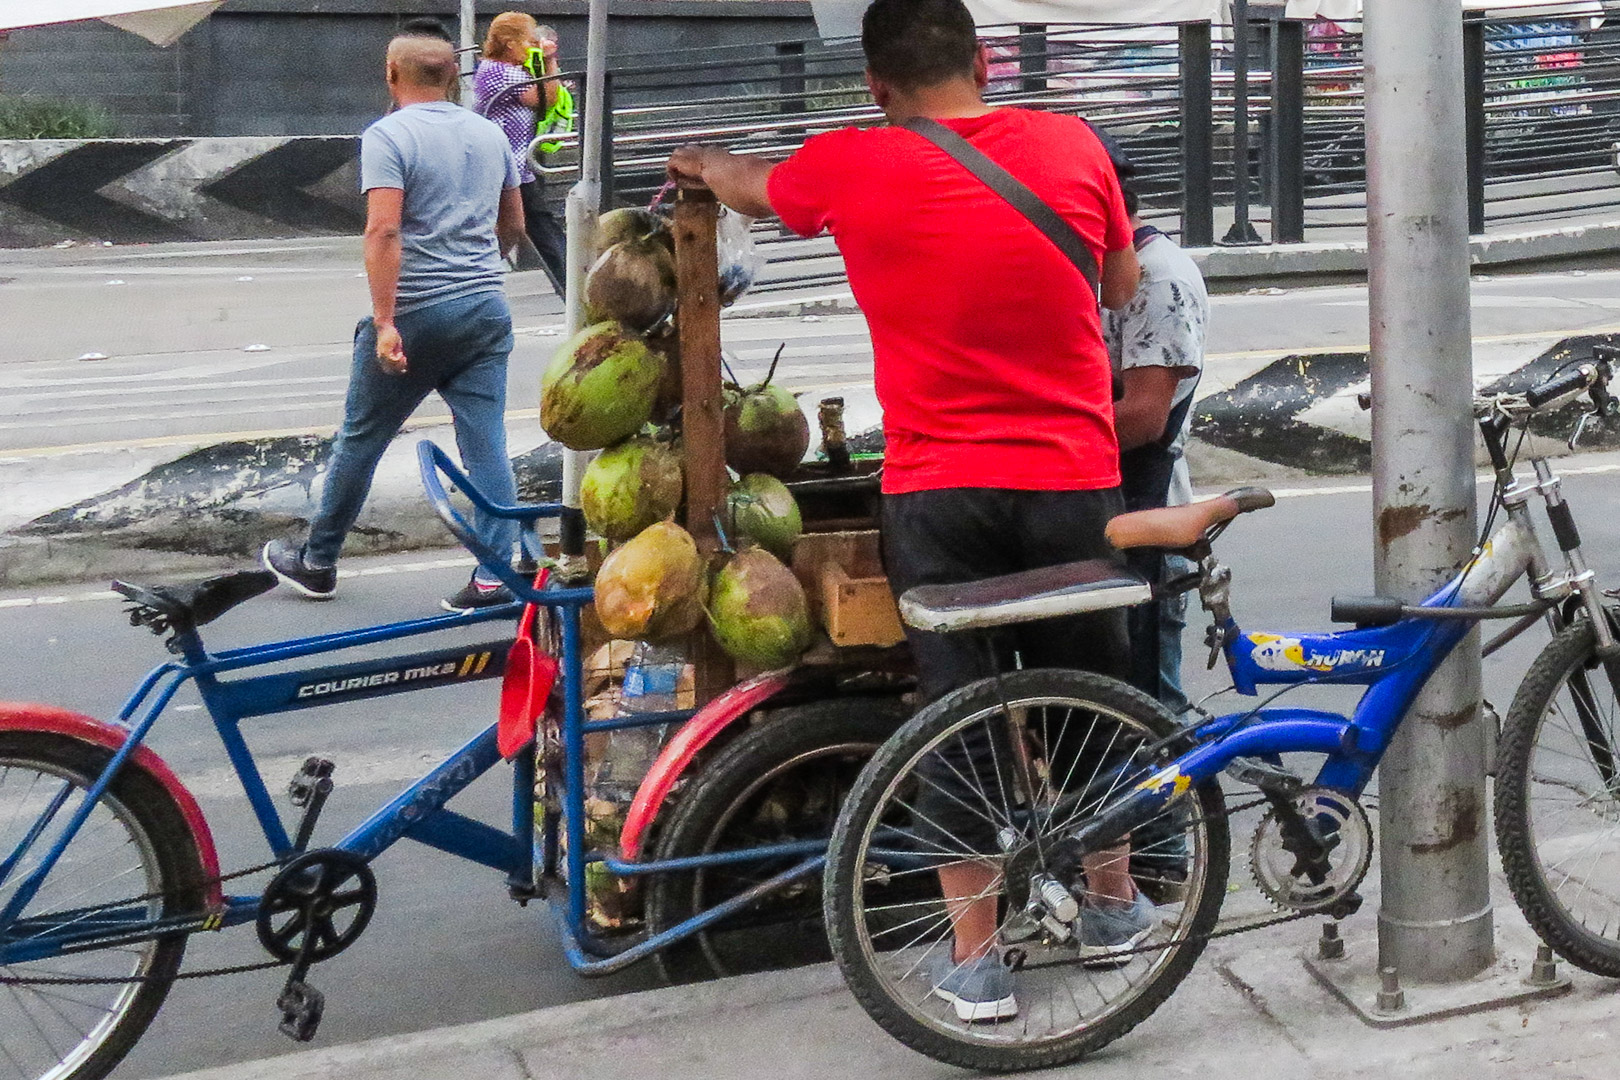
[419, 812]
[1392, 661]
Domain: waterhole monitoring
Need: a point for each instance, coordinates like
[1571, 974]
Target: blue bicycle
[107, 862]
[1092, 828]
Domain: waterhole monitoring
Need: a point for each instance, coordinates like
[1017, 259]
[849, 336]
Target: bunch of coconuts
[614, 387]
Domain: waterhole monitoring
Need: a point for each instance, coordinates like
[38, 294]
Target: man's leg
[937, 538]
[376, 405]
[481, 328]
[1172, 621]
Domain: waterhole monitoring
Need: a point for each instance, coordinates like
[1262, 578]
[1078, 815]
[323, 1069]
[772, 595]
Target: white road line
[418, 567]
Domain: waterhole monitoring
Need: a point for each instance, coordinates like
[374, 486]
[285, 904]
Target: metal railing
[1543, 118]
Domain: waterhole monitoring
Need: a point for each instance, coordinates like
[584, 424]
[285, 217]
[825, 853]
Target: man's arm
[509, 222]
[1121, 273]
[738, 180]
[1140, 416]
[385, 207]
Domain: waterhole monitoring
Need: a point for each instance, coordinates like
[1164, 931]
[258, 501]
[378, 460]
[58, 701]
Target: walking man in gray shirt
[441, 186]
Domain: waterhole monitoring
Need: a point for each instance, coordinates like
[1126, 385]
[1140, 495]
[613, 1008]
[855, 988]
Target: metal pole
[584, 199]
[1241, 231]
[1285, 160]
[1435, 922]
[468, 32]
[1197, 137]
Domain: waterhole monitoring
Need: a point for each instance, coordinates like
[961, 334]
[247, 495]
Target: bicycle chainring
[317, 905]
[1317, 875]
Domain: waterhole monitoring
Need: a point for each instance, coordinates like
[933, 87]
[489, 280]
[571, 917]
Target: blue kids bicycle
[1092, 830]
[107, 863]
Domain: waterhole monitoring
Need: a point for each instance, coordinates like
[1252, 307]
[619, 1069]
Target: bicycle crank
[317, 906]
[1311, 850]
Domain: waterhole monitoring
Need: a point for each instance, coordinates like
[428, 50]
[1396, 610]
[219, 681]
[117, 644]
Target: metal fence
[1543, 119]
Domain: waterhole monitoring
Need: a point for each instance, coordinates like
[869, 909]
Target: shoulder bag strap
[1015, 192]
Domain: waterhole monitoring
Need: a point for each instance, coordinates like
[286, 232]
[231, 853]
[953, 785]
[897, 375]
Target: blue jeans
[459, 348]
[1172, 621]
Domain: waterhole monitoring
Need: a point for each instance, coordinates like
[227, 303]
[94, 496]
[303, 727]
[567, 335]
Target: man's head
[1124, 169]
[420, 68]
[919, 45]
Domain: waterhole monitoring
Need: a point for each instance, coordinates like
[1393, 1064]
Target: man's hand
[738, 180]
[686, 163]
[390, 349]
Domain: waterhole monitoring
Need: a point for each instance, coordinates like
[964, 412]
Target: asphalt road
[176, 323]
[447, 945]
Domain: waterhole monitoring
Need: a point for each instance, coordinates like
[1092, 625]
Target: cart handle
[432, 462]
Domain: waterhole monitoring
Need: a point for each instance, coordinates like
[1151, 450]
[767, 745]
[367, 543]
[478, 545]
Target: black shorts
[954, 535]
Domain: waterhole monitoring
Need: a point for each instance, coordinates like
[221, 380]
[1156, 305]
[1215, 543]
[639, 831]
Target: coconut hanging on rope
[629, 223]
[652, 588]
[631, 485]
[765, 431]
[758, 611]
[599, 387]
[765, 511]
[634, 282]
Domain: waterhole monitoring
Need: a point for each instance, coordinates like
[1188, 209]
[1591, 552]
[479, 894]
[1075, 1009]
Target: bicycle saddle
[1044, 593]
[161, 608]
[1176, 527]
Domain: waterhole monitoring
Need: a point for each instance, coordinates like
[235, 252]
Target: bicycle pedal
[302, 1007]
[1264, 775]
[311, 778]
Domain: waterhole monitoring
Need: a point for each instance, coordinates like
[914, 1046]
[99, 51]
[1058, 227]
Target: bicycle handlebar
[433, 462]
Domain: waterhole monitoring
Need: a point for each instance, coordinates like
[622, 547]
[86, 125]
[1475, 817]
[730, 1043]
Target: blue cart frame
[419, 812]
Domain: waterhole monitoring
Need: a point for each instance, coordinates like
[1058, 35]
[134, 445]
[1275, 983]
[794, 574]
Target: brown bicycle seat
[1176, 527]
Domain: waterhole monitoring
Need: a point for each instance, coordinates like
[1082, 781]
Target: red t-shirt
[990, 363]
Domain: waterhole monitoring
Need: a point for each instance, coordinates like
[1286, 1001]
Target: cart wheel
[782, 780]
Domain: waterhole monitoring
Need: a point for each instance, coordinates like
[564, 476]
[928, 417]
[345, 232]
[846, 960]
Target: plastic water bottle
[651, 679]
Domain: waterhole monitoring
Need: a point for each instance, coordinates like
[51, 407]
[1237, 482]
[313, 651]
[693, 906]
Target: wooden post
[697, 323]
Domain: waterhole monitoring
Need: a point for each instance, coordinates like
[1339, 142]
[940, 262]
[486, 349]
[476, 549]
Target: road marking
[417, 567]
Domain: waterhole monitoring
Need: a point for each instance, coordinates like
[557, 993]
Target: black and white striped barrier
[151, 190]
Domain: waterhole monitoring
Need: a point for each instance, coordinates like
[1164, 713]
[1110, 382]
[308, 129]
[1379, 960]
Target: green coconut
[629, 223]
[765, 511]
[765, 431]
[599, 387]
[633, 282]
[758, 611]
[652, 588]
[630, 486]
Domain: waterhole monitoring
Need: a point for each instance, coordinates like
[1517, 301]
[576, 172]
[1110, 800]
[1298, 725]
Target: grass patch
[24, 116]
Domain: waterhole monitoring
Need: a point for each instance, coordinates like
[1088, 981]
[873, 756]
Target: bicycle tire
[169, 864]
[1534, 756]
[753, 777]
[976, 1045]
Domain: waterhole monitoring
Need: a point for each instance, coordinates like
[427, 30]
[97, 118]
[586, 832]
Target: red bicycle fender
[28, 716]
[678, 753]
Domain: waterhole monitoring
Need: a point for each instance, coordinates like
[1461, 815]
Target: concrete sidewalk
[1249, 1010]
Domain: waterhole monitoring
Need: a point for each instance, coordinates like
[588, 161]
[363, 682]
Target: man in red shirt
[989, 364]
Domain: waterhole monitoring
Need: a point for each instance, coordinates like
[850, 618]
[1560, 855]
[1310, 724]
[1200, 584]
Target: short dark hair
[912, 44]
[424, 26]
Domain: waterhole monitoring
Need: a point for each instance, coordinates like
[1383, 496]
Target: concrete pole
[1434, 923]
[468, 32]
[580, 219]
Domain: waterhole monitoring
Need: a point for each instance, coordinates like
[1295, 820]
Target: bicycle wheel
[1558, 802]
[780, 781]
[135, 843]
[962, 787]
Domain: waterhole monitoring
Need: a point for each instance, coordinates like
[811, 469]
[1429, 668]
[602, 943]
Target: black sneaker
[474, 595]
[287, 563]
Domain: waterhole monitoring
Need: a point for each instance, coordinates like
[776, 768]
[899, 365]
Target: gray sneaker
[287, 563]
[1109, 930]
[980, 989]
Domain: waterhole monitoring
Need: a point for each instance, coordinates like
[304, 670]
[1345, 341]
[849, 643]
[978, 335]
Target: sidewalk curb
[526, 1031]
